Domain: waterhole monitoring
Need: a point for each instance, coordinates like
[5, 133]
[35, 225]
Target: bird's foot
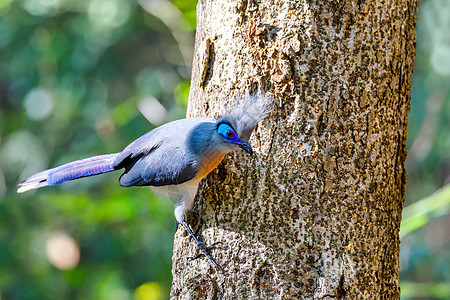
[203, 247]
[199, 252]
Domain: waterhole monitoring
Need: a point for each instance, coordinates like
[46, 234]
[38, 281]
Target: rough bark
[315, 213]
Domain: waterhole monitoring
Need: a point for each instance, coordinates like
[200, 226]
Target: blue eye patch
[227, 132]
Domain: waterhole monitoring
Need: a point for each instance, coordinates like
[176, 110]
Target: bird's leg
[202, 246]
[207, 247]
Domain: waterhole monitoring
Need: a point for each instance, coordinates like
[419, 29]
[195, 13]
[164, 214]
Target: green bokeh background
[81, 78]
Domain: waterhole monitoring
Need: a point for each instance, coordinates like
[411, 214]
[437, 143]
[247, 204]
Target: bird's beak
[246, 147]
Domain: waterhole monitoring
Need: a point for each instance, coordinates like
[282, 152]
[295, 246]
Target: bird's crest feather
[246, 113]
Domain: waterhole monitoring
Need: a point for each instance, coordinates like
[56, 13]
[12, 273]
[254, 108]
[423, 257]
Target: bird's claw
[201, 246]
[198, 250]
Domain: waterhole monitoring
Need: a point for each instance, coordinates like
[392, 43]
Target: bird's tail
[76, 169]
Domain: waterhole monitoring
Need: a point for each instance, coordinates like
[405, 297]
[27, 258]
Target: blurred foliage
[79, 78]
[425, 231]
[414, 290]
[418, 214]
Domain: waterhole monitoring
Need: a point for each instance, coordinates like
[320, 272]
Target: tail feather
[73, 170]
[33, 182]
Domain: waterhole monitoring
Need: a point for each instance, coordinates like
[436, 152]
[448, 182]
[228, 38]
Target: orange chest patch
[208, 164]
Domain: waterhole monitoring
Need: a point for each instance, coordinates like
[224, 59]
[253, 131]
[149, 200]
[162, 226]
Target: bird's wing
[162, 166]
[141, 146]
[160, 157]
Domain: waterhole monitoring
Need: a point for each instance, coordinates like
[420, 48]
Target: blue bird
[172, 158]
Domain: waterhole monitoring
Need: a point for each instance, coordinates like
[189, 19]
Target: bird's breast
[209, 164]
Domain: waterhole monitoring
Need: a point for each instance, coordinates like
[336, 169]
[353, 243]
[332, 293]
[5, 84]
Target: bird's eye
[227, 132]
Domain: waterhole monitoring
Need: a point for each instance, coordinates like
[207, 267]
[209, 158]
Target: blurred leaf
[181, 93]
[424, 290]
[148, 291]
[419, 213]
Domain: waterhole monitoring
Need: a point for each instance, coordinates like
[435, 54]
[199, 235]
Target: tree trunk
[315, 213]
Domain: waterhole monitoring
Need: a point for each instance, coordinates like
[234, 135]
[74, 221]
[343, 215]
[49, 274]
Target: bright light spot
[22, 150]
[62, 251]
[41, 7]
[110, 13]
[38, 104]
[50, 3]
[104, 126]
[148, 291]
[152, 110]
[440, 60]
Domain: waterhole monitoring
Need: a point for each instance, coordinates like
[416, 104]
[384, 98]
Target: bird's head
[230, 136]
[236, 125]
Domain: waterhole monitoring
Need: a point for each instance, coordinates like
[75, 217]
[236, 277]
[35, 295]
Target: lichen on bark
[315, 213]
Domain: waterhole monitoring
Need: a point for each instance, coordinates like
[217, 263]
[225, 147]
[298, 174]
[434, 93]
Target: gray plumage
[158, 159]
[173, 158]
